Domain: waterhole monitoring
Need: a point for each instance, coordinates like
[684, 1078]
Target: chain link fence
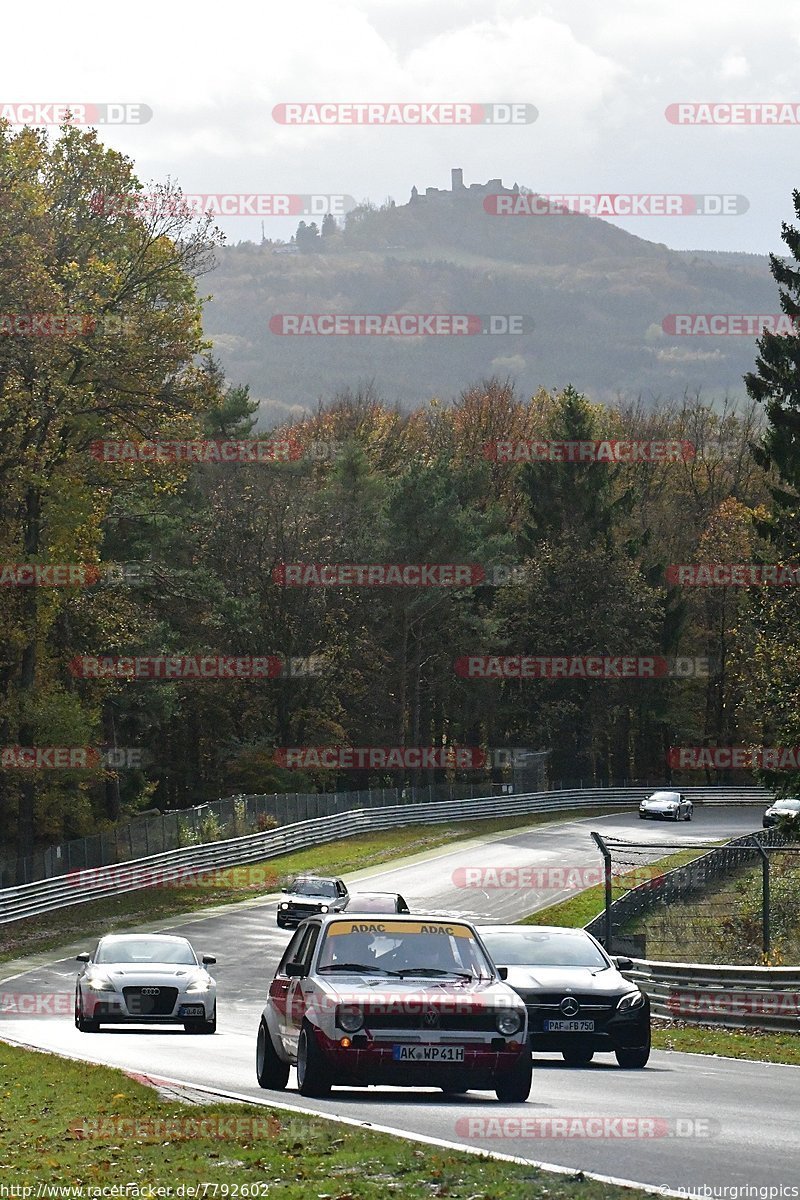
[692, 901]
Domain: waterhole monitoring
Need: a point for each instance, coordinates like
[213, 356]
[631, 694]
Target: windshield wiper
[357, 967]
[433, 971]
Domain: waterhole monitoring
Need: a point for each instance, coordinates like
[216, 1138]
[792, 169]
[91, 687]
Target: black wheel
[633, 1058]
[313, 1077]
[84, 1024]
[209, 1026]
[641, 816]
[271, 1071]
[514, 1087]
[577, 1056]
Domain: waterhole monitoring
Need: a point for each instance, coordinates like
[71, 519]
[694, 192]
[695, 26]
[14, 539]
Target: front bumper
[113, 1008]
[619, 1031]
[370, 1061]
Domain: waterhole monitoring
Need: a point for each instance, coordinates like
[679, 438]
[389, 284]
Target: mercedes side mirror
[84, 956]
[622, 963]
[208, 959]
[295, 970]
[502, 972]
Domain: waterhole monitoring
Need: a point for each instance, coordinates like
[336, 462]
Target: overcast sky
[600, 76]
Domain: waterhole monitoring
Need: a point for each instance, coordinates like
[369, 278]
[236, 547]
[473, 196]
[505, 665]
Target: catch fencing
[173, 866]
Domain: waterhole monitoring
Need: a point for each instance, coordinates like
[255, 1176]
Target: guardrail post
[606, 853]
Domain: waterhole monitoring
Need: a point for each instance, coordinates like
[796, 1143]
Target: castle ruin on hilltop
[460, 191]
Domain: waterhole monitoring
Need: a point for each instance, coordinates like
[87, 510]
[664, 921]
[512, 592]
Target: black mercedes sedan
[578, 1002]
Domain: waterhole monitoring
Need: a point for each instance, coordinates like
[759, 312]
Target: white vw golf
[145, 979]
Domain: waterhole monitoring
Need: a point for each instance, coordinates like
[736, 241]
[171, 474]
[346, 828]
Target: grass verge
[53, 930]
[135, 1138]
[758, 1045]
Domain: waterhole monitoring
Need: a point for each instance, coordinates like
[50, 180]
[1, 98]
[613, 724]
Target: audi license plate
[192, 1010]
[428, 1053]
[568, 1026]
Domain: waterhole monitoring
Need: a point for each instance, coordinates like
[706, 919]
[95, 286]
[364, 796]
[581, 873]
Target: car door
[279, 988]
[301, 989]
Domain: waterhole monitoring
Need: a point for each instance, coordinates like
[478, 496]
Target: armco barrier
[32, 899]
[734, 997]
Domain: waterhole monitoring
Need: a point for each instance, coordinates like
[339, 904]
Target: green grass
[64, 926]
[46, 1136]
[760, 1045]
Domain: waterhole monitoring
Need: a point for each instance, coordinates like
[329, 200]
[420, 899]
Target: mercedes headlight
[323, 908]
[349, 1017]
[631, 1000]
[509, 1021]
[284, 904]
[99, 984]
[201, 984]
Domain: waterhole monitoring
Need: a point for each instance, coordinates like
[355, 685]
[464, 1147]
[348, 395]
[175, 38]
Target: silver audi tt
[145, 979]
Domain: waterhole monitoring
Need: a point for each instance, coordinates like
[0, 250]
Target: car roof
[166, 937]
[404, 918]
[357, 895]
[565, 929]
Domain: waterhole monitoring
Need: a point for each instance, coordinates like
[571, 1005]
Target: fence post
[606, 853]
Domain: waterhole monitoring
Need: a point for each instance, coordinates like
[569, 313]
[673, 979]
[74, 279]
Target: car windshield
[389, 947]
[145, 950]
[313, 887]
[664, 797]
[539, 949]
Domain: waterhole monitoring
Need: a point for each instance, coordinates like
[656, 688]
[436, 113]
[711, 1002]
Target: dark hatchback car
[578, 1002]
[308, 895]
[376, 902]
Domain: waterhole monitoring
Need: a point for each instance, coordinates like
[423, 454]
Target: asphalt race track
[702, 1121]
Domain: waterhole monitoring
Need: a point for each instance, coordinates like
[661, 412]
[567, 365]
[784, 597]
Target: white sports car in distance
[145, 979]
[671, 806]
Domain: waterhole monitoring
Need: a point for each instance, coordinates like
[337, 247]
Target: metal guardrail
[733, 997]
[80, 887]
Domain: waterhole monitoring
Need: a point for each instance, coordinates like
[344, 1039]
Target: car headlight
[323, 908]
[98, 984]
[284, 904]
[349, 1017]
[200, 985]
[509, 1021]
[631, 1000]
